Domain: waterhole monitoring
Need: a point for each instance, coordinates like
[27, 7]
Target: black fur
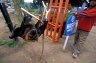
[33, 30]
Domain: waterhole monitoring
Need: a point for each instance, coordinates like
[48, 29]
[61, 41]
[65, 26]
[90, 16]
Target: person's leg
[79, 40]
[63, 28]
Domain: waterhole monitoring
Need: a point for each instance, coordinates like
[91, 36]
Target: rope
[42, 47]
[43, 33]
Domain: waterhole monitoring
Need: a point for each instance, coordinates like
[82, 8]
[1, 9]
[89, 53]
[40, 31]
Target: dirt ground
[53, 52]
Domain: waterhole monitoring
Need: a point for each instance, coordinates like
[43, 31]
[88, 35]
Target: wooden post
[58, 16]
[51, 1]
[63, 19]
[54, 15]
[6, 16]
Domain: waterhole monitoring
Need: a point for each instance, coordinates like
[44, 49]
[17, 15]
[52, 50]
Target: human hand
[74, 13]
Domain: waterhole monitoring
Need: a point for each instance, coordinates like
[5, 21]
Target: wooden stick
[29, 13]
[44, 4]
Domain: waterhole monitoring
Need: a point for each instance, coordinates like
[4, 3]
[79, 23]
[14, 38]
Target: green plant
[10, 43]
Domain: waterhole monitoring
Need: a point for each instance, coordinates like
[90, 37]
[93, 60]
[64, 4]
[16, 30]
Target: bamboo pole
[29, 13]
